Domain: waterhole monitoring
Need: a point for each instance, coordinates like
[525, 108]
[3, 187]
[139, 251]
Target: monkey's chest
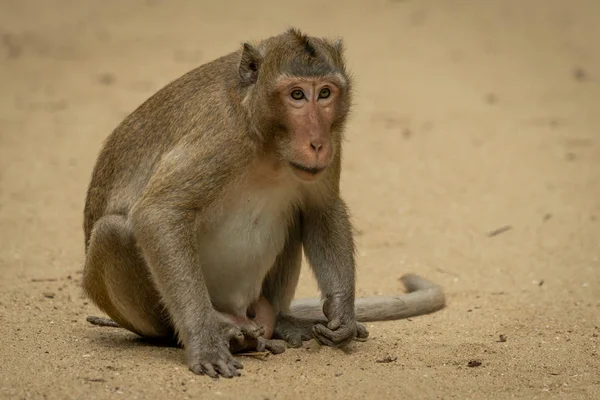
[239, 247]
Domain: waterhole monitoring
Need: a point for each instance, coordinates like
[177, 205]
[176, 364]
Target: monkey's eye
[324, 93]
[297, 94]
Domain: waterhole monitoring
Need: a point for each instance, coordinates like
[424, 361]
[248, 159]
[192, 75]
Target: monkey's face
[298, 95]
[309, 111]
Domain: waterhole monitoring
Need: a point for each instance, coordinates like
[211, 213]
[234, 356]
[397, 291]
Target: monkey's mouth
[313, 171]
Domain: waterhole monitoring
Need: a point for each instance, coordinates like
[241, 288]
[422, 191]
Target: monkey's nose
[316, 146]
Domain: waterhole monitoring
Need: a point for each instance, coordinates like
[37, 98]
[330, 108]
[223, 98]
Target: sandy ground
[470, 116]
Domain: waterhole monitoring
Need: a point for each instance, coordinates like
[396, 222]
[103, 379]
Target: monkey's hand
[342, 327]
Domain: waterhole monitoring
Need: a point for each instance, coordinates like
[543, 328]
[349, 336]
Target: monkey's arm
[423, 297]
[329, 248]
[164, 222]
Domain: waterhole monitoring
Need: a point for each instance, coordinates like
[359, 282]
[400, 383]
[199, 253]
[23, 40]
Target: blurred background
[472, 159]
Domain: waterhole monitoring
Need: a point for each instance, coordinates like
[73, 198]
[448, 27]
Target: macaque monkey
[203, 199]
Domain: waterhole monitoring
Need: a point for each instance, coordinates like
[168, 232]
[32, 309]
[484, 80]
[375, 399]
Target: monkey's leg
[117, 280]
[279, 288]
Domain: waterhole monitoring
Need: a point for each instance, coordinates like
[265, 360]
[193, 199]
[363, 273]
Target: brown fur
[203, 198]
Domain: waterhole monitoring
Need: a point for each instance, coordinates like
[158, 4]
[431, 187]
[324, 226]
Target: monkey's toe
[273, 345]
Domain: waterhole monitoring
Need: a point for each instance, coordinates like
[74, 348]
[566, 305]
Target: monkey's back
[132, 151]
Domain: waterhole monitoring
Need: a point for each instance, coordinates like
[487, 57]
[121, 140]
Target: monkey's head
[297, 95]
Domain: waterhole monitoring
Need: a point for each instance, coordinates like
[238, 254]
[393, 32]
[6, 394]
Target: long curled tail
[423, 297]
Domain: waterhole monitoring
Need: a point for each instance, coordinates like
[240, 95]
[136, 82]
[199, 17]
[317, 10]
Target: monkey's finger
[197, 369]
[322, 334]
[223, 368]
[200, 369]
[252, 331]
[261, 344]
[237, 335]
[323, 330]
[324, 341]
[328, 342]
[361, 331]
[236, 363]
[334, 324]
[208, 369]
[234, 370]
[338, 338]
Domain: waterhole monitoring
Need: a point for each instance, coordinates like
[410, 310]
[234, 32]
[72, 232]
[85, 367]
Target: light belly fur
[240, 244]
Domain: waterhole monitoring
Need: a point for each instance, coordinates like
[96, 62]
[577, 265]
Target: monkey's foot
[294, 330]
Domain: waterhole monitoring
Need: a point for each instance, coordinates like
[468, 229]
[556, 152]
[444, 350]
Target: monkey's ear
[249, 64]
[337, 50]
[338, 45]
